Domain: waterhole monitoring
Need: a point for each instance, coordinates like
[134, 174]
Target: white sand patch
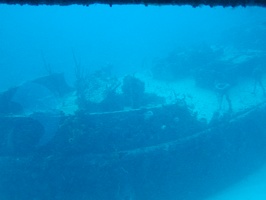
[203, 101]
[252, 187]
[244, 96]
[69, 104]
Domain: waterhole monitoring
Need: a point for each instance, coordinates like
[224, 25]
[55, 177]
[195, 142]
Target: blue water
[76, 121]
[124, 36]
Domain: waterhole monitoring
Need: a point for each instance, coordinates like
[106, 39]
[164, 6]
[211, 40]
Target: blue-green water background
[127, 37]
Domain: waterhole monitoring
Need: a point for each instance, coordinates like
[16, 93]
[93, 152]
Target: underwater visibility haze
[132, 102]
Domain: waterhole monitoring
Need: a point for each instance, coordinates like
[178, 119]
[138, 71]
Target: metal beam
[194, 3]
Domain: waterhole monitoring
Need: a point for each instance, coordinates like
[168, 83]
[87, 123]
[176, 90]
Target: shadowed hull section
[189, 167]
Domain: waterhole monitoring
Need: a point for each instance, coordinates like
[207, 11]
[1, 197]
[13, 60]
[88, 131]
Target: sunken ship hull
[157, 152]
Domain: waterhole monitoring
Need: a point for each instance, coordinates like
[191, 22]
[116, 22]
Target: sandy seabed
[203, 101]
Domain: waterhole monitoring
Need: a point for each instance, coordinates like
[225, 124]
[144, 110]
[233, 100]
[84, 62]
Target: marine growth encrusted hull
[152, 153]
